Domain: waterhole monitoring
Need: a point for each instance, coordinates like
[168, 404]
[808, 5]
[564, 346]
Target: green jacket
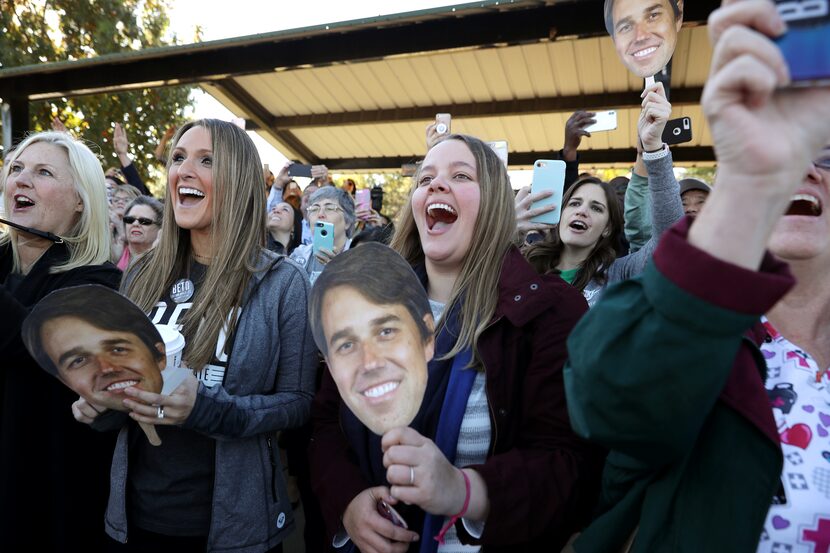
[665, 372]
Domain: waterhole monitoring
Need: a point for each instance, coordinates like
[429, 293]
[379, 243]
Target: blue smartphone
[548, 174]
[323, 236]
[806, 44]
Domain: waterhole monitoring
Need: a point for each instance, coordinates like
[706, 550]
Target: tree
[39, 31]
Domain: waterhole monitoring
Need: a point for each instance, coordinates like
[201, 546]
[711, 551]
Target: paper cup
[173, 345]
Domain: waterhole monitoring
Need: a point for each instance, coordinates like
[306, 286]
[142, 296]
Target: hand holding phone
[678, 131]
[442, 123]
[605, 121]
[389, 513]
[548, 175]
[299, 170]
[323, 237]
[363, 200]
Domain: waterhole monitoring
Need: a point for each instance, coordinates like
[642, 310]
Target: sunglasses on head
[143, 221]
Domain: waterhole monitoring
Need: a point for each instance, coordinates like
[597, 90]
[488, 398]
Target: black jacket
[54, 471]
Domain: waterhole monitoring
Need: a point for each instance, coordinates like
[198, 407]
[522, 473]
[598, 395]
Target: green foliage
[396, 188]
[39, 31]
[706, 174]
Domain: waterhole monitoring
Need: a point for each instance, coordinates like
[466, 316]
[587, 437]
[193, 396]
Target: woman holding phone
[495, 462]
[215, 482]
[328, 205]
[581, 248]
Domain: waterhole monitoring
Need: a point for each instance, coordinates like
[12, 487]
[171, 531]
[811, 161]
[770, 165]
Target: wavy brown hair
[478, 280]
[238, 235]
[545, 254]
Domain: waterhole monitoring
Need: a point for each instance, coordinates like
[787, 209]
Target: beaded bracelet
[453, 519]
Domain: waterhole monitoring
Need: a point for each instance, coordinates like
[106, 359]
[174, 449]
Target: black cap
[693, 184]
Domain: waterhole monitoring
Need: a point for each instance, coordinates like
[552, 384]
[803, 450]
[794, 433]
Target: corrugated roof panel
[589, 66]
[321, 91]
[352, 95]
[563, 66]
[494, 73]
[368, 142]
[614, 73]
[405, 74]
[298, 99]
[474, 79]
[534, 130]
[500, 128]
[518, 132]
[539, 69]
[320, 143]
[432, 83]
[389, 139]
[516, 72]
[362, 73]
[445, 70]
[279, 100]
[693, 59]
[393, 87]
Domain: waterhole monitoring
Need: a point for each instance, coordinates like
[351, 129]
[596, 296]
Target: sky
[218, 21]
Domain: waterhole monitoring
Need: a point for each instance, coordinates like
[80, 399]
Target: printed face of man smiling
[377, 357]
[99, 364]
[645, 34]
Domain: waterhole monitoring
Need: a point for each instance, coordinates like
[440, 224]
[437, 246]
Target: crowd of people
[647, 375]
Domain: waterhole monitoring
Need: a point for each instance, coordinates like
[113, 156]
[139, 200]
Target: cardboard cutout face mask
[97, 342]
[372, 321]
[644, 32]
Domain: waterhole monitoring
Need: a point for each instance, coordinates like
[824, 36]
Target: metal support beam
[262, 119]
[15, 114]
[530, 106]
[680, 154]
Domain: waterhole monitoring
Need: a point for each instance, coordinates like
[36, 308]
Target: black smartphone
[678, 131]
[386, 511]
[376, 196]
[299, 170]
[806, 44]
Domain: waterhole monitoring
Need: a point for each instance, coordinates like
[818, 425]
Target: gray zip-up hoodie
[269, 385]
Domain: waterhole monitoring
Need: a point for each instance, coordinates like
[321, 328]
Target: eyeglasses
[143, 221]
[329, 208]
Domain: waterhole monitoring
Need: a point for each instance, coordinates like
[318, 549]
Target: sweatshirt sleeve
[648, 362]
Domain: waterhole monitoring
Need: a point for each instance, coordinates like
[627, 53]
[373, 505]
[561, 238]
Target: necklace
[202, 257]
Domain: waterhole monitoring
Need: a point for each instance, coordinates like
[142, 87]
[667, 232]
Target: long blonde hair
[476, 287]
[238, 235]
[88, 239]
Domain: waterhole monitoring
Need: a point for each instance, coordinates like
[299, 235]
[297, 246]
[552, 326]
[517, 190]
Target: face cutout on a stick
[372, 320]
[97, 342]
[644, 32]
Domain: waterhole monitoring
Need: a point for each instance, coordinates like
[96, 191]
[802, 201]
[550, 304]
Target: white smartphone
[500, 147]
[443, 123]
[605, 121]
[548, 174]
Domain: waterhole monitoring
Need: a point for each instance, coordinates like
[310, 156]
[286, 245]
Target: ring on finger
[160, 412]
[411, 476]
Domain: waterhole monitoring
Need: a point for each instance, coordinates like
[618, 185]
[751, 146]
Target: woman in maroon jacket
[491, 458]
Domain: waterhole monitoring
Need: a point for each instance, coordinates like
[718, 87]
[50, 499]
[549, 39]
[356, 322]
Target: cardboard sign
[98, 343]
[373, 323]
[644, 32]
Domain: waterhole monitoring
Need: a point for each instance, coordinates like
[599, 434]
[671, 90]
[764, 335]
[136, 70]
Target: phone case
[363, 200]
[323, 236]
[678, 131]
[806, 44]
[548, 174]
[299, 170]
[605, 121]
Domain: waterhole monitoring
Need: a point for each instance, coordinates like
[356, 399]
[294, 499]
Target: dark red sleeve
[335, 478]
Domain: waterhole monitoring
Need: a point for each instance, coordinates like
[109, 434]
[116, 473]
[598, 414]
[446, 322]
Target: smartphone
[442, 123]
[678, 131]
[548, 174]
[363, 199]
[377, 198]
[605, 121]
[500, 147]
[299, 170]
[386, 511]
[323, 236]
[806, 44]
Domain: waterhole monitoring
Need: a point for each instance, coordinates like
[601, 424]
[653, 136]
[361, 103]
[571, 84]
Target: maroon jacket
[542, 479]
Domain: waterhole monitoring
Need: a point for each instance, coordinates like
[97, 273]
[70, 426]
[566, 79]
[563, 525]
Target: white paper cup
[173, 345]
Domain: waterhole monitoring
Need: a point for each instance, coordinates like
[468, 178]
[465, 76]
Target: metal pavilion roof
[358, 94]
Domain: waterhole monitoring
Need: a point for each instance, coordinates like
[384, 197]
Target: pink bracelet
[453, 519]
